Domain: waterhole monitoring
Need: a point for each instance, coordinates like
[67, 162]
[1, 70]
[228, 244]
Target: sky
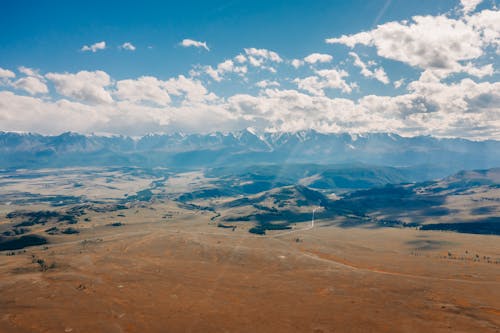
[137, 67]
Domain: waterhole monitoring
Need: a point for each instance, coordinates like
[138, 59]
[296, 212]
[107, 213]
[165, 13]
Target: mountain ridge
[247, 146]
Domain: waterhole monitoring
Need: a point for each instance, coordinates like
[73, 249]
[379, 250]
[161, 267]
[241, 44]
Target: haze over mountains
[443, 156]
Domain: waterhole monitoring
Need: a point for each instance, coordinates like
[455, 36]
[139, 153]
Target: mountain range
[247, 147]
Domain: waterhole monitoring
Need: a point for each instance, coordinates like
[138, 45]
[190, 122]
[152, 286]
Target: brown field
[190, 276]
[170, 269]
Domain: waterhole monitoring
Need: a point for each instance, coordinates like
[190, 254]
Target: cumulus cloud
[94, 47]
[437, 43]
[144, 89]
[141, 106]
[267, 83]
[324, 79]
[227, 66]
[31, 84]
[290, 110]
[146, 104]
[431, 107]
[30, 71]
[296, 63]
[6, 74]
[258, 58]
[128, 46]
[213, 73]
[378, 73]
[194, 43]
[85, 86]
[399, 83]
[25, 113]
[318, 57]
[469, 5]
[240, 58]
[465, 108]
[487, 24]
[193, 91]
[264, 54]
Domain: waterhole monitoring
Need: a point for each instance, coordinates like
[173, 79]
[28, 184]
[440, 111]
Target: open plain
[160, 265]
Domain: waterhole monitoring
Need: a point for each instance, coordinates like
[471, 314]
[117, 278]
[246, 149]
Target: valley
[129, 249]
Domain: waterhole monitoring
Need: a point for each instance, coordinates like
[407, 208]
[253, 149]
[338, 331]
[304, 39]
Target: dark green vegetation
[55, 220]
[226, 226]
[115, 224]
[70, 231]
[261, 227]
[41, 217]
[489, 226]
[144, 195]
[21, 242]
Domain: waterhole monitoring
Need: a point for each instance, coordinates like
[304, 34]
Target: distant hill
[465, 202]
[329, 177]
[276, 197]
[245, 148]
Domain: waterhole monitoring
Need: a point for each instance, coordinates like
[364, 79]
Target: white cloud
[85, 86]
[256, 57]
[6, 74]
[381, 75]
[240, 58]
[437, 43]
[227, 66]
[290, 110]
[94, 47]
[296, 63]
[128, 46]
[465, 108]
[334, 79]
[25, 113]
[469, 5]
[30, 71]
[143, 89]
[194, 43]
[198, 111]
[32, 84]
[255, 61]
[318, 57]
[193, 91]
[267, 84]
[213, 73]
[363, 38]
[324, 79]
[399, 83]
[378, 73]
[486, 70]
[439, 109]
[487, 24]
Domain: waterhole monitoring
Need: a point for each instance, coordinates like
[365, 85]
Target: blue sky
[294, 71]
[48, 35]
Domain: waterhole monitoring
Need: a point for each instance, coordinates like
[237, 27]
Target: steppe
[159, 266]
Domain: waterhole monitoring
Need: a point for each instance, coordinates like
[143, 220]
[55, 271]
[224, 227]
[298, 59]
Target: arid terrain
[134, 261]
[231, 166]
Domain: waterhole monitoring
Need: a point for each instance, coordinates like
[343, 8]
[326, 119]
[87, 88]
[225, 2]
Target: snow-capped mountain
[247, 146]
